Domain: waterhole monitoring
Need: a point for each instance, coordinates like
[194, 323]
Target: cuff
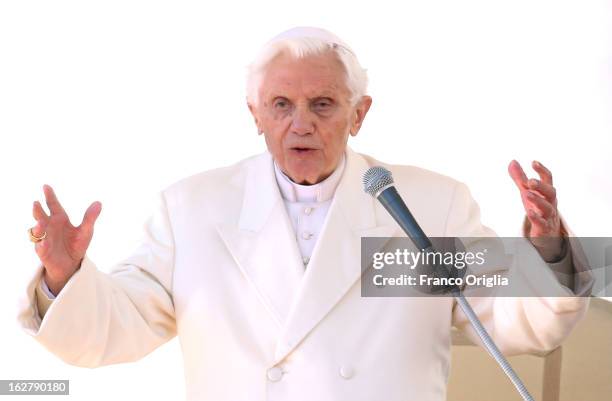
[44, 298]
[563, 267]
[45, 288]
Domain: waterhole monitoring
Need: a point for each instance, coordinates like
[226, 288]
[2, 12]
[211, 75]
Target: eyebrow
[325, 95]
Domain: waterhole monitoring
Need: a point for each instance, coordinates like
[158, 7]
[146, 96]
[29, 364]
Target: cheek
[334, 133]
[274, 131]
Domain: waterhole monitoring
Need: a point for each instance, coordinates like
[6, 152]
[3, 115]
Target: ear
[359, 113]
[255, 114]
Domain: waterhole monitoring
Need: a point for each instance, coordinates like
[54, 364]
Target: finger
[39, 229]
[518, 175]
[52, 203]
[41, 247]
[539, 225]
[543, 172]
[543, 206]
[39, 213]
[91, 215]
[546, 190]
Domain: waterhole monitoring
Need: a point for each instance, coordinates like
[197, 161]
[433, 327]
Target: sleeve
[44, 298]
[572, 270]
[535, 323]
[45, 288]
[563, 268]
[103, 318]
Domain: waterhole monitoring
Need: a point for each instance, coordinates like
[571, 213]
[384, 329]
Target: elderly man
[256, 266]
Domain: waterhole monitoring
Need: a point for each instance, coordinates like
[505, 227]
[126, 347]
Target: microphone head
[375, 179]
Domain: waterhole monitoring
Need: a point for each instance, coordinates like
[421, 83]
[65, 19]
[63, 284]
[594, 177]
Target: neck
[305, 181]
[321, 190]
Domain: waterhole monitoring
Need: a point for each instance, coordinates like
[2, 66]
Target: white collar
[319, 192]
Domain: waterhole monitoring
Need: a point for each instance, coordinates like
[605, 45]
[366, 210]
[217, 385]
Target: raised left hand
[543, 224]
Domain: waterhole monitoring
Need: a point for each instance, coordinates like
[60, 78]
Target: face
[305, 113]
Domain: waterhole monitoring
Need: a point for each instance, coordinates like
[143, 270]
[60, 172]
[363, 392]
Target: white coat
[220, 268]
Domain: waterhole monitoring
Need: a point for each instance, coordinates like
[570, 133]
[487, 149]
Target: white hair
[305, 41]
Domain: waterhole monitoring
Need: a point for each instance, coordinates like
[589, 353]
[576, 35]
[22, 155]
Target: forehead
[310, 76]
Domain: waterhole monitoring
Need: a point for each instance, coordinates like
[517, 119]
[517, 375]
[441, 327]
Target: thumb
[91, 215]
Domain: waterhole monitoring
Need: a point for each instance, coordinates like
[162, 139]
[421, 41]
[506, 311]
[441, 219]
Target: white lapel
[266, 251]
[263, 244]
[335, 265]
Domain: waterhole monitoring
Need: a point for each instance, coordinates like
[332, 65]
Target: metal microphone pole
[378, 180]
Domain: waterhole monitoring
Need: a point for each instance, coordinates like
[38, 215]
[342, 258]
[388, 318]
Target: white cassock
[220, 266]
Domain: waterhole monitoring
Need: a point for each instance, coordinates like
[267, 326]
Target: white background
[114, 100]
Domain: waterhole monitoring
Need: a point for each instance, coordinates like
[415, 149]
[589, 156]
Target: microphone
[378, 182]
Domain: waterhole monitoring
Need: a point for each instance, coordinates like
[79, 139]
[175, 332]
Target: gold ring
[34, 238]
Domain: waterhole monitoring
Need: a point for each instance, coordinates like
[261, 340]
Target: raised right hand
[65, 245]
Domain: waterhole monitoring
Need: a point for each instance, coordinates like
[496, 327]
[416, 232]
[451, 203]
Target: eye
[322, 104]
[281, 103]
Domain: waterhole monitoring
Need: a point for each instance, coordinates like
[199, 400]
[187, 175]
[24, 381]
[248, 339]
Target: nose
[302, 123]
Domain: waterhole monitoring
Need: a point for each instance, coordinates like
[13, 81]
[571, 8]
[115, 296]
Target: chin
[301, 175]
[300, 172]
[303, 178]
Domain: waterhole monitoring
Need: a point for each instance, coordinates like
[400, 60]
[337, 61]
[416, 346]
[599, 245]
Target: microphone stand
[379, 183]
[422, 242]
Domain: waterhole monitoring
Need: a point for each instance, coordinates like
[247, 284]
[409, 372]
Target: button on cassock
[346, 372]
[275, 374]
